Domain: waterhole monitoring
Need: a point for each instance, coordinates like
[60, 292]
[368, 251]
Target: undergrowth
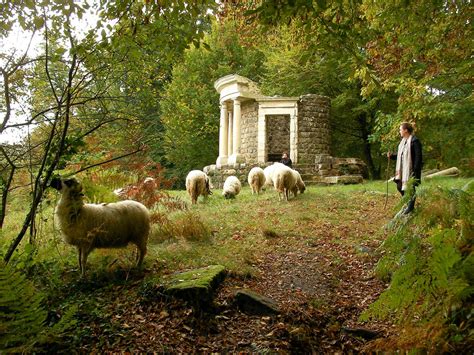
[428, 258]
[25, 324]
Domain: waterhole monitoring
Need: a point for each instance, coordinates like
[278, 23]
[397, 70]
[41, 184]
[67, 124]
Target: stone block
[253, 303]
[229, 172]
[195, 286]
[323, 159]
[346, 179]
[323, 166]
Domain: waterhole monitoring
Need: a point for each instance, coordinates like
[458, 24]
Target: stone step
[333, 180]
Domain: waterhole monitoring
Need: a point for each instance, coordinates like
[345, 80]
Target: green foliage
[319, 68]
[430, 260]
[22, 317]
[23, 320]
[190, 103]
[416, 51]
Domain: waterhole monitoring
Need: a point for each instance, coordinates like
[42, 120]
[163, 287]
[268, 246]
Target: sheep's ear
[56, 183]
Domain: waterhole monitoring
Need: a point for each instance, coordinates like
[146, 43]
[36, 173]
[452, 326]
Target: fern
[21, 315]
[430, 261]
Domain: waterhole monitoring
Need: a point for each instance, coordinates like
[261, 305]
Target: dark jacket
[287, 162]
[416, 157]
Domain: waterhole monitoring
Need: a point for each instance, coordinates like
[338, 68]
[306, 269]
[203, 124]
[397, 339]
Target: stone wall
[314, 136]
[218, 176]
[332, 170]
[249, 120]
[278, 136]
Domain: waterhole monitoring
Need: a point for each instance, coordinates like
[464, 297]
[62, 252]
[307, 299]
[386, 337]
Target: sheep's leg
[79, 253]
[83, 259]
[287, 192]
[141, 249]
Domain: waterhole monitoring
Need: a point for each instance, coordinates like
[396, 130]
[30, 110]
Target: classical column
[222, 159]
[237, 115]
[229, 133]
[261, 137]
[294, 135]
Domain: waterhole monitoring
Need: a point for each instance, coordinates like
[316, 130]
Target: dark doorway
[278, 136]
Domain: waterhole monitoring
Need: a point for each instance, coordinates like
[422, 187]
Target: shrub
[430, 260]
[185, 225]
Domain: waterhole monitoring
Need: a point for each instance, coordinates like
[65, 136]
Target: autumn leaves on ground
[313, 255]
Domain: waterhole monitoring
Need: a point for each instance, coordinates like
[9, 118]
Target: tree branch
[105, 162]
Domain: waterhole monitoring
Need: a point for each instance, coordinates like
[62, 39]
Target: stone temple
[255, 130]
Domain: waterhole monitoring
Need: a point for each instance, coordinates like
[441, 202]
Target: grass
[216, 231]
[233, 233]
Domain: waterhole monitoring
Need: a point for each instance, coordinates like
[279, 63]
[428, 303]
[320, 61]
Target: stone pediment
[234, 86]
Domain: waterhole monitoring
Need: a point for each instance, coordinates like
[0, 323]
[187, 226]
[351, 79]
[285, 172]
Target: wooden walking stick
[386, 178]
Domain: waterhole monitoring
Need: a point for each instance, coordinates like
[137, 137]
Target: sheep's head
[301, 187]
[208, 186]
[71, 185]
[228, 194]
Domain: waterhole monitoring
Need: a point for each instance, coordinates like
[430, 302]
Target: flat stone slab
[196, 286]
[253, 303]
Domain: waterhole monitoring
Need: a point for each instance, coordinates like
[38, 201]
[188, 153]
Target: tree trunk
[6, 187]
[365, 131]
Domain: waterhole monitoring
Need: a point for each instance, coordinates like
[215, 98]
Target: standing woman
[409, 162]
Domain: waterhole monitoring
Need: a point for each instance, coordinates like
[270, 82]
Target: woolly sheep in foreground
[197, 183]
[284, 180]
[108, 225]
[256, 179]
[232, 187]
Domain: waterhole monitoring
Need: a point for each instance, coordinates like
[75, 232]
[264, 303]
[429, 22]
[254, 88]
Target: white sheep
[107, 225]
[299, 184]
[256, 179]
[232, 187]
[197, 183]
[268, 171]
[284, 180]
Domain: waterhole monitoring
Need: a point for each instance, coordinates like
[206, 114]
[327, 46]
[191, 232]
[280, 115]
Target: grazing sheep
[284, 180]
[232, 187]
[268, 171]
[107, 225]
[299, 185]
[256, 179]
[197, 183]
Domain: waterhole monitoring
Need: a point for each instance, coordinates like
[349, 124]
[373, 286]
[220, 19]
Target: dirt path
[322, 281]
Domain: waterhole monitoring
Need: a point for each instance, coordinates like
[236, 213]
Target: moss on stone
[196, 286]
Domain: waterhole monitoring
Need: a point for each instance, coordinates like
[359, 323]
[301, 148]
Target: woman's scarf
[404, 163]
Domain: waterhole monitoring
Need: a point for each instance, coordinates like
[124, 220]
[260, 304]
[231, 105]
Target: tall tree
[420, 50]
[75, 89]
[191, 104]
[292, 58]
